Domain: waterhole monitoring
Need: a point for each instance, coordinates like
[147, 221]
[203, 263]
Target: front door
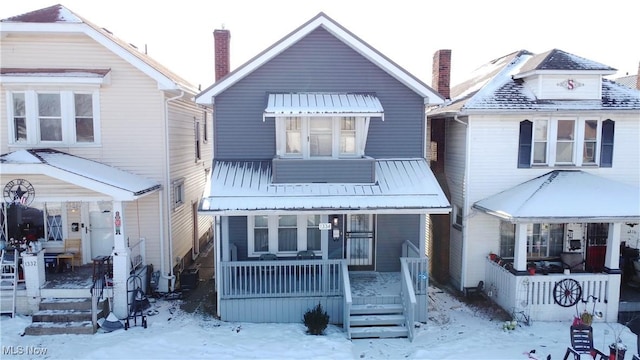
[101, 230]
[360, 240]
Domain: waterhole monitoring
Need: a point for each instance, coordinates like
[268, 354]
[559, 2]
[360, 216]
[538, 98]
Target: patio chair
[72, 251]
[582, 343]
[572, 261]
[306, 255]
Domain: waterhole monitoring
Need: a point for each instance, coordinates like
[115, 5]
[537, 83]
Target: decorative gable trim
[322, 20]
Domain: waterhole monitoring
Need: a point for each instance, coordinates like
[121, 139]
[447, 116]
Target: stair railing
[408, 295]
[97, 291]
[347, 299]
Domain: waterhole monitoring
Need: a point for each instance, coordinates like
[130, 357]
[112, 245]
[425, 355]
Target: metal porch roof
[402, 186]
[296, 104]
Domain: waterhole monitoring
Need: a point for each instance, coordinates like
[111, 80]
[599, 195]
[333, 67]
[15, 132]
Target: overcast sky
[179, 34]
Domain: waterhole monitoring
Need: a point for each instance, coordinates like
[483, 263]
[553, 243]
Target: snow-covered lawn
[454, 331]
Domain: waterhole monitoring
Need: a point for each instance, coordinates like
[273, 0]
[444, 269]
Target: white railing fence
[407, 293]
[281, 278]
[534, 295]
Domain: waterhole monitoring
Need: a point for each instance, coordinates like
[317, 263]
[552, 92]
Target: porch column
[120, 262]
[520, 250]
[34, 277]
[612, 259]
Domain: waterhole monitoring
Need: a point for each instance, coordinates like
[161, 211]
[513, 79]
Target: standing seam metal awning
[245, 187]
[346, 104]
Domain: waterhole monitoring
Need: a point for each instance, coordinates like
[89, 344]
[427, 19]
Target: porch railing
[137, 254]
[281, 278]
[346, 311]
[408, 296]
[533, 295]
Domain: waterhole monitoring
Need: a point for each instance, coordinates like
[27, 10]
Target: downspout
[463, 277]
[171, 275]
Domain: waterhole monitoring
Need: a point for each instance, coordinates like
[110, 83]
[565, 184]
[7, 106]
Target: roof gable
[321, 20]
[59, 19]
[500, 86]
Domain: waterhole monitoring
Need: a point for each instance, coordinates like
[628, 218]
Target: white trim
[321, 20]
[55, 79]
[164, 82]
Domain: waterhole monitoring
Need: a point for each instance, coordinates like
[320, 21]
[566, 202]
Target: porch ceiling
[116, 183]
[565, 196]
[402, 186]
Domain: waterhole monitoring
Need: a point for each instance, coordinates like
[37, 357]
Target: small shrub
[316, 320]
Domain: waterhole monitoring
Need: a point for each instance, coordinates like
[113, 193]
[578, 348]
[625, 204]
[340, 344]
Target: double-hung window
[53, 117]
[285, 235]
[317, 137]
[566, 141]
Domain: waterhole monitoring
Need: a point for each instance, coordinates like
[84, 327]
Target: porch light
[335, 221]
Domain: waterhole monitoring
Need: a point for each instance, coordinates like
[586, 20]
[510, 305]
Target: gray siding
[330, 171]
[319, 62]
[392, 231]
[238, 235]
[279, 310]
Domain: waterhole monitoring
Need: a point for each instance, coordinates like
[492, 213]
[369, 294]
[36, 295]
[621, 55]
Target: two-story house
[319, 173]
[99, 143]
[542, 164]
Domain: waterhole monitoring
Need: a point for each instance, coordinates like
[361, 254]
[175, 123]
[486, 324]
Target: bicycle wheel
[567, 292]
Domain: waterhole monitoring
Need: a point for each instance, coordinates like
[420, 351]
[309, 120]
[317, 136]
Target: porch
[283, 290]
[540, 298]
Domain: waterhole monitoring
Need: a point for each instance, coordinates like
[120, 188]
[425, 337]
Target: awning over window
[333, 104]
[565, 196]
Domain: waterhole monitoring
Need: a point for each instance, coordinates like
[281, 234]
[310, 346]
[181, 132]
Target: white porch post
[423, 236]
[217, 275]
[612, 259]
[34, 277]
[121, 262]
[520, 256]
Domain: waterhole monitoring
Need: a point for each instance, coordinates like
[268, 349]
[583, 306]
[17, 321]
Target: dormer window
[322, 126]
[320, 137]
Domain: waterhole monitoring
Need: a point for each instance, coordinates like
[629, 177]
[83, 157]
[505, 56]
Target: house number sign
[19, 192]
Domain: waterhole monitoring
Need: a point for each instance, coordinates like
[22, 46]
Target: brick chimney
[222, 38]
[441, 72]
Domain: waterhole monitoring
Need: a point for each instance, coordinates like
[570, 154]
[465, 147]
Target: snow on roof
[498, 89]
[59, 14]
[565, 195]
[323, 103]
[402, 186]
[93, 171]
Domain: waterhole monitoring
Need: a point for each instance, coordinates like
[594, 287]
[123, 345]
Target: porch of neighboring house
[70, 300]
[367, 304]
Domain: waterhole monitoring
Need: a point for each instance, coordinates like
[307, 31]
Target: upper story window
[320, 137]
[53, 117]
[322, 125]
[566, 141]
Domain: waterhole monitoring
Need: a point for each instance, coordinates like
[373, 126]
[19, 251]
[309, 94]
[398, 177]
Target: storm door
[360, 240]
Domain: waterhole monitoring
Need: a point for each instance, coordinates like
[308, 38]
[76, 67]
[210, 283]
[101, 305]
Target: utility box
[189, 279]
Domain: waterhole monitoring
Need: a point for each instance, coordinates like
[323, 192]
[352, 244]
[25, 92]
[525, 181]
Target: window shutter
[606, 147]
[524, 145]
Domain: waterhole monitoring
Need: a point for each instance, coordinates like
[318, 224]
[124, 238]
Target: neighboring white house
[542, 163]
[110, 145]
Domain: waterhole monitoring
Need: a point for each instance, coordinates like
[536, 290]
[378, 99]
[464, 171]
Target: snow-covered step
[376, 309]
[62, 315]
[375, 319]
[53, 328]
[379, 332]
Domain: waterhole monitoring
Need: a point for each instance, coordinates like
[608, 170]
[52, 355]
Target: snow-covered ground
[454, 331]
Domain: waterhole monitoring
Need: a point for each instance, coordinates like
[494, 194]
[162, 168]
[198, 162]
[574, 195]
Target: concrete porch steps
[377, 321]
[63, 316]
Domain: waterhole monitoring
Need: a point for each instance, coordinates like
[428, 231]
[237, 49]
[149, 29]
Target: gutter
[171, 276]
